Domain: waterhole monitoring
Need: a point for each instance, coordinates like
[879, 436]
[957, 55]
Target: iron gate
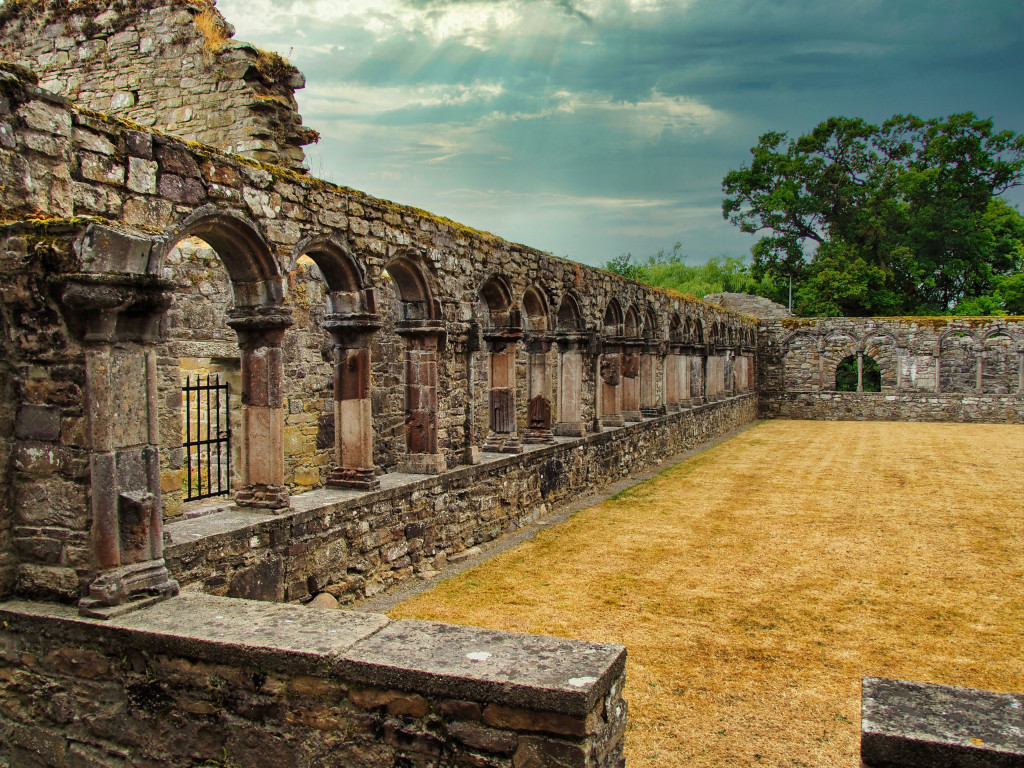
[207, 443]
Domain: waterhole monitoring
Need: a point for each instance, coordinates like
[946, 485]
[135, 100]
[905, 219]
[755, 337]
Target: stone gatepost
[651, 400]
[422, 340]
[351, 335]
[630, 389]
[502, 436]
[117, 316]
[538, 410]
[570, 384]
[260, 335]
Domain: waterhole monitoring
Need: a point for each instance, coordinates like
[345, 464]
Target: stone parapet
[921, 725]
[202, 678]
[875, 406]
[357, 545]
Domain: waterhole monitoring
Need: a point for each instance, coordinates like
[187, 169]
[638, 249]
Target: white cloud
[353, 99]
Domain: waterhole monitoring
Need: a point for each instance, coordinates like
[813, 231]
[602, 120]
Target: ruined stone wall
[359, 545]
[61, 164]
[934, 369]
[164, 64]
[201, 680]
[44, 512]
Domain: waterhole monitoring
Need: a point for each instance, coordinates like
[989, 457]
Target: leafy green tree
[897, 218]
[722, 274]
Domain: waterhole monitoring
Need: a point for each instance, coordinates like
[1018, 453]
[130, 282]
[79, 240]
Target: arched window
[847, 375]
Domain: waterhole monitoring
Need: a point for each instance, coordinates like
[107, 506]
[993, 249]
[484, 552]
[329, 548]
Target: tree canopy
[902, 218]
[722, 274]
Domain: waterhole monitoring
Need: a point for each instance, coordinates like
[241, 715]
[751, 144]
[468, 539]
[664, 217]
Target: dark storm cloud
[537, 119]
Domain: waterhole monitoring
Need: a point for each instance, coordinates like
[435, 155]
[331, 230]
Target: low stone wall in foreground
[903, 406]
[202, 680]
[357, 544]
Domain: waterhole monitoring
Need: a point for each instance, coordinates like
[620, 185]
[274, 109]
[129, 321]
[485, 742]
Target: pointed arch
[612, 324]
[569, 316]
[536, 312]
[414, 286]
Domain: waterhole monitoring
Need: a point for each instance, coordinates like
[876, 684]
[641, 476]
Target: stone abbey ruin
[222, 377]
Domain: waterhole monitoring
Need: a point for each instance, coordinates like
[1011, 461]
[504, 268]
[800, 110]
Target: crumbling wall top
[166, 64]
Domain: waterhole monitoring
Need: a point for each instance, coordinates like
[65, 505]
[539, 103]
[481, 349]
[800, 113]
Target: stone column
[609, 382]
[422, 339]
[860, 371]
[260, 334]
[979, 354]
[630, 387]
[570, 386]
[652, 402]
[938, 372]
[538, 411]
[502, 436]
[1020, 371]
[118, 318]
[353, 412]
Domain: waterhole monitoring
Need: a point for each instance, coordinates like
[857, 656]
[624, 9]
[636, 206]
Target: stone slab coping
[527, 671]
[213, 529]
[922, 725]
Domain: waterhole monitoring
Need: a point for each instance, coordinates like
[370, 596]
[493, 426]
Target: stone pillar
[860, 371]
[979, 355]
[538, 411]
[260, 334]
[609, 384]
[353, 413]
[630, 387]
[502, 436]
[421, 342]
[119, 318]
[570, 386]
[1020, 371]
[938, 372]
[652, 401]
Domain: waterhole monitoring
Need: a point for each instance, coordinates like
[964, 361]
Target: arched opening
[1000, 365]
[858, 373]
[958, 363]
[501, 334]
[630, 367]
[418, 325]
[611, 366]
[539, 415]
[571, 341]
[222, 366]
[651, 395]
[340, 450]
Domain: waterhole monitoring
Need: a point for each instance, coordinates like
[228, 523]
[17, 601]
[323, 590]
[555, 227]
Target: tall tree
[869, 219]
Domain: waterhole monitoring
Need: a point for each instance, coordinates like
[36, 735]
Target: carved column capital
[104, 308]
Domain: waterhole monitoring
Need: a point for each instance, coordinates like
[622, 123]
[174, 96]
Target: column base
[353, 477]
[653, 411]
[673, 407]
[502, 442]
[261, 496]
[613, 420]
[538, 436]
[471, 455]
[424, 464]
[127, 588]
[570, 429]
[632, 416]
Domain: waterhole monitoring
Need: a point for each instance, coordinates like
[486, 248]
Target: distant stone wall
[358, 546]
[164, 64]
[932, 368]
[210, 681]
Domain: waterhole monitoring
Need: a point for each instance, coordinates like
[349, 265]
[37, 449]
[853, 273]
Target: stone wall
[202, 680]
[331, 302]
[932, 368]
[165, 64]
[362, 544]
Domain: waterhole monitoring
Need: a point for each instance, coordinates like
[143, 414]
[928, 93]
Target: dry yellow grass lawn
[755, 584]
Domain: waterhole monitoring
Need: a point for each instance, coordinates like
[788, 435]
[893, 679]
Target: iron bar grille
[207, 444]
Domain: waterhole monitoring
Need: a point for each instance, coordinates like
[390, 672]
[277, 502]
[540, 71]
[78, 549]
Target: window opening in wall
[846, 375]
[206, 442]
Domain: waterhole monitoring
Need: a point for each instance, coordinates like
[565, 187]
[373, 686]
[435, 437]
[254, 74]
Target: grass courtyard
[756, 584]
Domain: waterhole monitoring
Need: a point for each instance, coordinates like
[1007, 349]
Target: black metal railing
[207, 444]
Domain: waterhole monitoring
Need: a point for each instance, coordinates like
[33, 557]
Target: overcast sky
[589, 128]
